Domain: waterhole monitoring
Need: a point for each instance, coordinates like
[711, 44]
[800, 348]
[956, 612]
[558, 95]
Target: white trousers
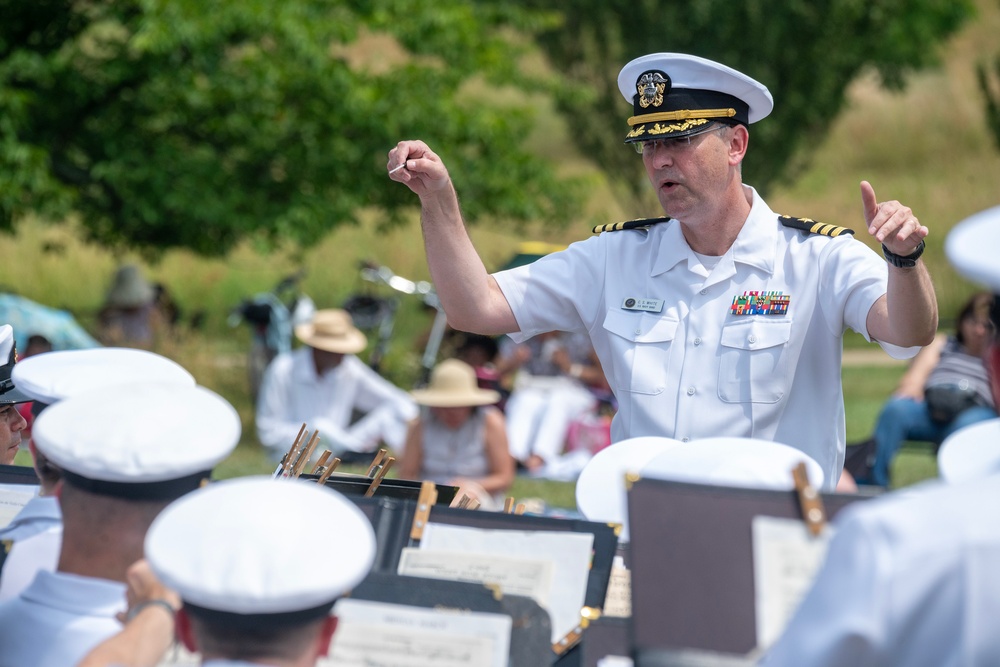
[539, 414]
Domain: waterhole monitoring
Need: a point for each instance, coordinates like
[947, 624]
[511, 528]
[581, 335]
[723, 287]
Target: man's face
[11, 425]
[326, 360]
[689, 176]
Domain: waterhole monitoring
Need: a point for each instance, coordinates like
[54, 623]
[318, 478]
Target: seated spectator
[323, 385]
[129, 315]
[459, 438]
[945, 388]
[548, 394]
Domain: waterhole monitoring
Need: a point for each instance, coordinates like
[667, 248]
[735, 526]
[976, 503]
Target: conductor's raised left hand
[892, 223]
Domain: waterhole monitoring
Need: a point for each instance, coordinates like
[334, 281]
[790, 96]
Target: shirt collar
[755, 244]
[85, 596]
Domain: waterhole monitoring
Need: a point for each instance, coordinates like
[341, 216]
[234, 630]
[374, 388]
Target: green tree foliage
[185, 123]
[805, 51]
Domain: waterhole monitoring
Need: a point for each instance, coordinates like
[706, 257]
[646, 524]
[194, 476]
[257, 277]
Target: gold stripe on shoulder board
[811, 226]
[640, 223]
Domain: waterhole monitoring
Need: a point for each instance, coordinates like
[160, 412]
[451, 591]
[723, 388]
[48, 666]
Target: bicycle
[371, 312]
[272, 317]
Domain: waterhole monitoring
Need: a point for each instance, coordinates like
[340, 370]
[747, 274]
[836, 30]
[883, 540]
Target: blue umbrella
[29, 318]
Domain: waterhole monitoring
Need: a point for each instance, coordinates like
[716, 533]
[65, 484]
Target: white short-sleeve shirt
[909, 579]
[683, 363]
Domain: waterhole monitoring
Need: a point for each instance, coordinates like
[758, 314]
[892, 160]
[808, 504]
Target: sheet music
[376, 634]
[785, 560]
[570, 555]
[618, 601]
[531, 577]
[13, 497]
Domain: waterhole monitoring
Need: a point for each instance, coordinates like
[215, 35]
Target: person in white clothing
[911, 578]
[720, 319]
[12, 424]
[125, 453]
[322, 385]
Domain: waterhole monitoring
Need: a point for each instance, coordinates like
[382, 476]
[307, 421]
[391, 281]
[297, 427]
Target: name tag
[647, 305]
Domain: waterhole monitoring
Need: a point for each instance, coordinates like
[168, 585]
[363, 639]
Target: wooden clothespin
[811, 504]
[286, 461]
[521, 507]
[320, 462]
[473, 504]
[329, 470]
[463, 502]
[372, 469]
[379, 476]
[508, 505]
[425, 501]
[306, 454]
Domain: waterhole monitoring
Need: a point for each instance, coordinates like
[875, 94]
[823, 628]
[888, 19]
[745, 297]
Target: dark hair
[978, 305]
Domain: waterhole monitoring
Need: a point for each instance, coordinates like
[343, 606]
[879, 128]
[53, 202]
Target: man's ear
[326, 635]
[183, 630]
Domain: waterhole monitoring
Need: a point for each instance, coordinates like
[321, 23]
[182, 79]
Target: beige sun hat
[453, 385]
[333, 331]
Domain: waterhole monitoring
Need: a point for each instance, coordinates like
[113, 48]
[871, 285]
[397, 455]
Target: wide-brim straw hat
[453, 385]
[333, 331]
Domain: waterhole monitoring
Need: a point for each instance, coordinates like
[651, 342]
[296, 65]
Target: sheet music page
[569, 553]
[785, 560]
[13, 497]
[377, 634]
[531, 577]
[618, 601]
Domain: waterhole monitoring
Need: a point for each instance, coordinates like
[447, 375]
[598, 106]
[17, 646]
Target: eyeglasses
[673, 144]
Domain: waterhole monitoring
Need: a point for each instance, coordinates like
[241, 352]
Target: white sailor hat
[9, 393]
[970, 453]
[140, 441]
[675, 94]
[742, 462]
[54, 376]
[972, 246]
[255, 549]
[600, 489]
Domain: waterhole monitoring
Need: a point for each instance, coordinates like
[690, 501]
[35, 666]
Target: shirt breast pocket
[641, 345]
[754, 363]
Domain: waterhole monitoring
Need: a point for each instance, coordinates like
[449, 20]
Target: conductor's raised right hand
[416, 165]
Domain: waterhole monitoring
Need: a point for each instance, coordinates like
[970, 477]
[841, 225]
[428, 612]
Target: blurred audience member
[548, 394]
[323, 385]
[129, 315]
[945, 388]
[460, 437]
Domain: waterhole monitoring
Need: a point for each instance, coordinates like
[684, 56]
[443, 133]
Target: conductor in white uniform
[721, 318]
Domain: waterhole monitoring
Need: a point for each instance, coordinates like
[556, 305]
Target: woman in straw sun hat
[460, 437]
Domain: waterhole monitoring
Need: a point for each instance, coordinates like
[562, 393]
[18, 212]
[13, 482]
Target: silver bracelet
[156, 602]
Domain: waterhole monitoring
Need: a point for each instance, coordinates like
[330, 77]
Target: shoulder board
[813, 227]
[641, 223]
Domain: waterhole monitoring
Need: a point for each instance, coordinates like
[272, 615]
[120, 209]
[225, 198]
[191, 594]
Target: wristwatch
[903, 261]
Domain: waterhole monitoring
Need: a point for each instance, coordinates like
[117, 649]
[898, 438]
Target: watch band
[903, 261]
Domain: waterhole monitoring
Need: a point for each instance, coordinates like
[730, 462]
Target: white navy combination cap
[741, 462]
[54, 376]
[140, 441]
[675, 94]
[972, 246]
[600, 489]
[258, 550]
[9, 393]
[970, 453]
